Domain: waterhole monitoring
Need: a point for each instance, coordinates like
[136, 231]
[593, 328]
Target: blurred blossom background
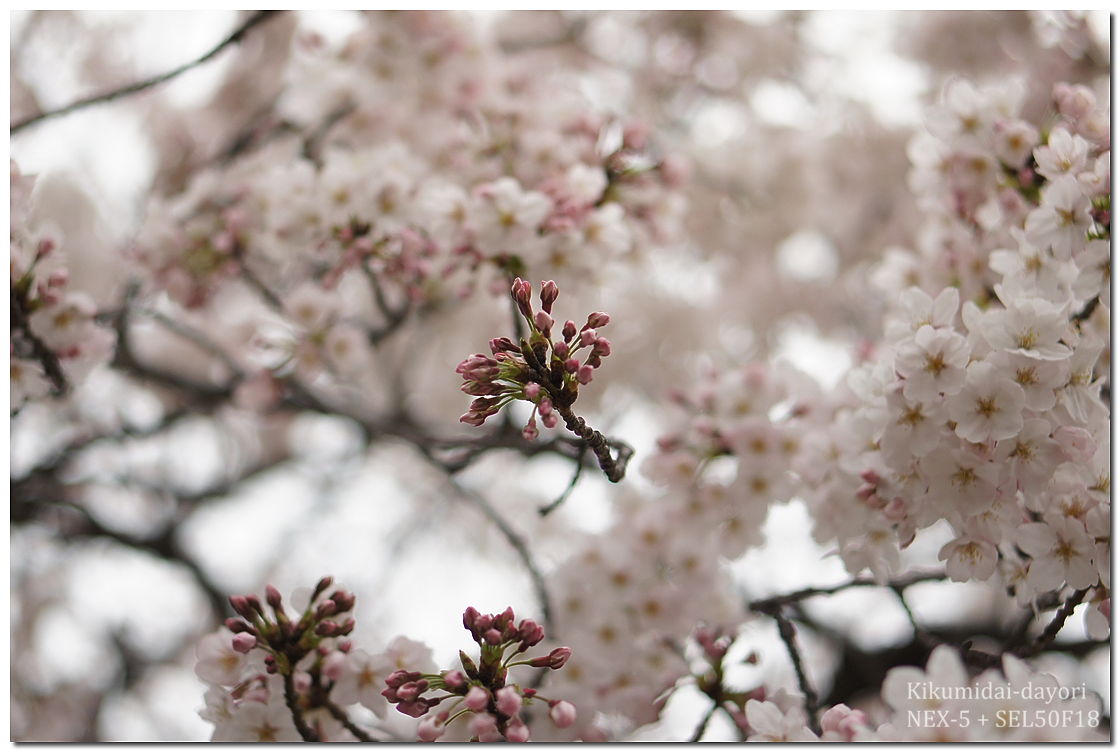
[137, 505]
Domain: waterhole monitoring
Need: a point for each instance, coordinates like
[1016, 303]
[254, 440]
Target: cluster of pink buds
[285, 641]
[480, 690]
[539, 370]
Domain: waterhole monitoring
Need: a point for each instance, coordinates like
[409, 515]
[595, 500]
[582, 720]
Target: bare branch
[238, 34]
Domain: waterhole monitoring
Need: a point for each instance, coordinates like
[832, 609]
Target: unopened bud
[326, 628]
[243, 642]
[584, 375]
[549, 293]
[596, 320]
[272, 597]
[569, 331]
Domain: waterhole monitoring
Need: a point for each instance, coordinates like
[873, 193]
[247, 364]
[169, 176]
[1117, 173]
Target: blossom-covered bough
[277, 333]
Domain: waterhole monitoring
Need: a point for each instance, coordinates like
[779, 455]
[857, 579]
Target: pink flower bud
[243, 642]
[545, 407]
[602, 347]
[561, 350]
[492, 636]
[549, 293]
[522, 294]
[532, 390]
[517, 732]
[530, 432]
[596, 320]
[558, 657]
[569, 331]
[870, 476]
[508, 701]
[477, 699]
[549, 421]
[485, 727]
[562, 713]
[334, 665]
[543, 322]
[584, 374]
[454, 679]
[571, 365]
[430, 729]
[272, 597]
[587, 337]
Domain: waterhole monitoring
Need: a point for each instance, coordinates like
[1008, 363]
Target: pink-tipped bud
[569, 331]
[530, 432]
[485, 727]
[326, 629]
[549, 293]
[334, 665]
[430, 729]
[325, 609]
[532, 390]
[272, 597]
[561, 350]
[454, 679]
[870, 476]
[571, 365]
[596, 320]
[517, 732]
[477, 699]
[323, 584]
[503, 344]
[584, 374]
[865, 491]
[241, 605]
[522, 293]
[558, 657]
[587, 337]
[344, 599]
[543, 322]
[237, 625]
[46, 245]
[492, 636]
[602, 347]
[545, 407]
[508, 701]
[562, 713]
[243, 642]
[549, 421]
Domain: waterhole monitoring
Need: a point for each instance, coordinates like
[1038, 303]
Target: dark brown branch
[549, 508]
[39, 351]
[613, 467]
[766, 605]
[789, 634]
[257, 18]
[340, 715]
[1055, 625]
[703, 725]
[291, 699]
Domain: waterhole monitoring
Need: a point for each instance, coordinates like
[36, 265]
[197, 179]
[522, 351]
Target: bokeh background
[134, 512]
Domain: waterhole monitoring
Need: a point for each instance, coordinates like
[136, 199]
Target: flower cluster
[482, 690]
[538, 370]
[989, 414]
[55, 339]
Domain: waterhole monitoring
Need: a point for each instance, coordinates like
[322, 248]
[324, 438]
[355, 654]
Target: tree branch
[257, 18]
[291, 699]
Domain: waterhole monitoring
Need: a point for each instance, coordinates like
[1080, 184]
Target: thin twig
[340, 715]
[703, 725]
[549, 508]
[788, 634]
[765, 605]
[45, 356]
[1055, 624]
[517, 542]
[238, 34]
